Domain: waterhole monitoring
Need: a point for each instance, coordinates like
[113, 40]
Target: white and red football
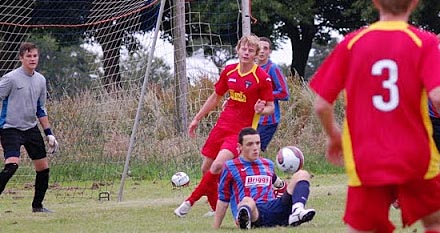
[180, 179]
[290, 159]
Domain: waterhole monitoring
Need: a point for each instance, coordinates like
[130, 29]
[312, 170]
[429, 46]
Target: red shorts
[219, 139]
[367, 208]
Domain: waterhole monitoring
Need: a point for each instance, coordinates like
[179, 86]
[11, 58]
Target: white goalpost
[139, 108]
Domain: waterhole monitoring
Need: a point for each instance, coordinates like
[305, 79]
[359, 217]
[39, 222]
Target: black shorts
[32, 140]
[436, 131]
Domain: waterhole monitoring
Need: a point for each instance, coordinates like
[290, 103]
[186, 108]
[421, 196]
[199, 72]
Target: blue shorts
[12, 139]
[266, 134]
[275, 212]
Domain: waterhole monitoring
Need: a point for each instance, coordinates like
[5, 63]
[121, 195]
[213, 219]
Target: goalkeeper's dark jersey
[23, 99]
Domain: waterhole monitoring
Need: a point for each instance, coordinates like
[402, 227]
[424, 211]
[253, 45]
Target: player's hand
[259, 106]
[192, 128]
[53, 144]
[279, 191]
[396, 204]
[334, 150]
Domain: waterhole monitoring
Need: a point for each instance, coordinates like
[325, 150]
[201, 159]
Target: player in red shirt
[387, 71]
[250, 95]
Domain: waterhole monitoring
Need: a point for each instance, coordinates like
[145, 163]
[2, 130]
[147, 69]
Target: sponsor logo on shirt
[232, 80]
[258, 180]
[237, 96]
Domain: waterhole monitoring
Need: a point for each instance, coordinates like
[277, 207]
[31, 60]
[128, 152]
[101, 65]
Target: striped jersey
[386, 70]
[279, 89]
[241, 178]
[243, 90]
[432, 111]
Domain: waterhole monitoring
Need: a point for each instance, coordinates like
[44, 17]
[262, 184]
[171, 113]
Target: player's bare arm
[325, 113]
[220, 212]
[212, 101]
[434, 96]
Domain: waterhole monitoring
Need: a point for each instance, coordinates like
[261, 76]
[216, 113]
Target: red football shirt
[386, 70]
[244, 90]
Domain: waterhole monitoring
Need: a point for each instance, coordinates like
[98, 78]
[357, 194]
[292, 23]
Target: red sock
[428, 231]
[208, 179]
[212, 193]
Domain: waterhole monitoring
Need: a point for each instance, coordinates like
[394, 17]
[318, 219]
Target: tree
[319, 53]
[305, 21]
[113, 32]
[302, 21]
[10, 34]
[66, 21]
[29, 14]
[66, 68]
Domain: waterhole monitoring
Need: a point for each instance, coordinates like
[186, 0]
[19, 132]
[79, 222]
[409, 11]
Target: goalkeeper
[23, 95]
[247, 183]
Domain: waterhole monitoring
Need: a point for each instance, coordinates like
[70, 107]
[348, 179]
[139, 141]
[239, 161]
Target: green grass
[148, 207]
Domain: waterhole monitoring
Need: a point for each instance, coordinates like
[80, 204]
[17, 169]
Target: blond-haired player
[249, 89]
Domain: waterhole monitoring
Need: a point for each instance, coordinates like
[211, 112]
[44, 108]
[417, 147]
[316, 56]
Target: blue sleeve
[280, 89]
[5, 88]
[41, 111]
[41, 103]
[224, 187]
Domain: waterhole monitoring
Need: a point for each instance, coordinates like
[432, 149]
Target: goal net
[95, 57]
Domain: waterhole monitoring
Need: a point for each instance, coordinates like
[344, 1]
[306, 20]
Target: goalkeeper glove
[52, 141]
[280, 190]
[53, 144]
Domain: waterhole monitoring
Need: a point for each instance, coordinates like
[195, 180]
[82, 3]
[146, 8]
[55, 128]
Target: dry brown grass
[91, 124]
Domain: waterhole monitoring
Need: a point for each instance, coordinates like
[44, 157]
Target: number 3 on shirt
[390, 84]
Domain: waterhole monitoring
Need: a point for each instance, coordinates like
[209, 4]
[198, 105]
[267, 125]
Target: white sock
[297, 205]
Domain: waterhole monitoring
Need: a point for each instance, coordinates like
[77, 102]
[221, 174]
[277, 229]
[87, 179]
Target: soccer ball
[180, 179]
[290, 159]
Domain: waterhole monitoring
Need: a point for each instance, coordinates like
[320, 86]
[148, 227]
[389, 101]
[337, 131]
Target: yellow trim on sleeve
[233, 70]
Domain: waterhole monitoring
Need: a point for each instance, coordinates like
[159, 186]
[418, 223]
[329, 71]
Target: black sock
[41, 185]
[6, 174]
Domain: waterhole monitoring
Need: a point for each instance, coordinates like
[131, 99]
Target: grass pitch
[148, 207]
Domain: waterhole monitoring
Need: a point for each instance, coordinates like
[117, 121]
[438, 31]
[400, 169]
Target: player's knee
[9, 170]
[247, 201]
[301, 175]
[216, 168]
